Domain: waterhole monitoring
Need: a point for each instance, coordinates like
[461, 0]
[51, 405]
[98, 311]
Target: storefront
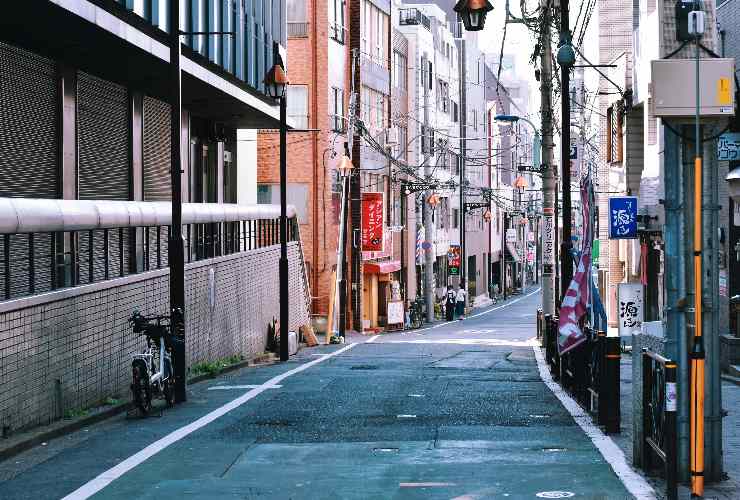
[380, 286]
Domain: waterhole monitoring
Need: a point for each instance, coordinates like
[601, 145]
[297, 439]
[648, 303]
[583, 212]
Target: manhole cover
[555, 494]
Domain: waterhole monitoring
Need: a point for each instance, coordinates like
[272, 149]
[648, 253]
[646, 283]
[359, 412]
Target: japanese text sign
[372, 222]
[548, 239]
[728, 147]
[629, 298]
[623, 217]
[453, 260]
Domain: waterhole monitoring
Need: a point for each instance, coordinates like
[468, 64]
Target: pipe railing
[659, 399]
[52, 244]
[589, 372]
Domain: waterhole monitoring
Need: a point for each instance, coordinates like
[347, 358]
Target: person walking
[460, 302]
[450, 303]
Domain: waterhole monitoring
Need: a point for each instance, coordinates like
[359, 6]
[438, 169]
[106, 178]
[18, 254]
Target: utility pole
[549, 222]
[463, 152]
[427, 212]
[566, 258]
[175, 249]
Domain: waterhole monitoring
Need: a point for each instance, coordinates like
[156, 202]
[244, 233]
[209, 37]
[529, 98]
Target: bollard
[601, 389]
[611, 373]
[671, 400]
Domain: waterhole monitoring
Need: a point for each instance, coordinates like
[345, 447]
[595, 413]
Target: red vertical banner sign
[372, 222]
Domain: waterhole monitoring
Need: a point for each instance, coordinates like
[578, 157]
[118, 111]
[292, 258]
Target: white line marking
[233, 387]
[484, 342]
[424, 485]
[104, 479]
[405, 416]
[372, 339]
[633, 481]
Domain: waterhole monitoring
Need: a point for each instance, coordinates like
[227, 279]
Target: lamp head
[473, 13]
[276, 80]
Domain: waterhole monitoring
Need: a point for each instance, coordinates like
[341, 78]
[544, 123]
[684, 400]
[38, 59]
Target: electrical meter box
[673, 87]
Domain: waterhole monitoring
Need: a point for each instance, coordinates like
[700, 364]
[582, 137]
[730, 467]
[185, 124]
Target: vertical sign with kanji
[630, 311]
[623, 218]
[372, 222]
[453, 260]
[548, 241]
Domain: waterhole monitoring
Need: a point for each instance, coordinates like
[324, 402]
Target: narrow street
[455, 411]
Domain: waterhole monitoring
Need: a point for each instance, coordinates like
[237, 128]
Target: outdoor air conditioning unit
[392, 137]
[673, 87]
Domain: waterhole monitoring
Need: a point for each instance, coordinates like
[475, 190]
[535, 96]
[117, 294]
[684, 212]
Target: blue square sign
[623, 218]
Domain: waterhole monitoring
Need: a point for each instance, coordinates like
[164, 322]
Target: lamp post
[276, 81]
[473, 13]
[345, 171]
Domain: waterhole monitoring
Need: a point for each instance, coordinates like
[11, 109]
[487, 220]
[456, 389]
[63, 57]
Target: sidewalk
[725, 490]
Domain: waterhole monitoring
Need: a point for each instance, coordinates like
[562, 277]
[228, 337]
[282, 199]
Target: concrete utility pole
[427, 212]
[463, 152]
[548, 169]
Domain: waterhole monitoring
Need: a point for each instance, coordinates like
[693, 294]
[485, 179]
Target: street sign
[548, 239]
[728, 146]
[623, 218]
[629, 296]
[453, 260]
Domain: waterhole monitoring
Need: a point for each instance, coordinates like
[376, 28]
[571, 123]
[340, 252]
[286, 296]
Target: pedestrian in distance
[460, 302]
[450, 304]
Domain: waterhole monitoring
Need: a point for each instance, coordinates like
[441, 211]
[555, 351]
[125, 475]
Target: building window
[337, 28]
[336, 101]
[297, 96]
[399, 74]
[454, 223]
[297, 14]
[454, 108]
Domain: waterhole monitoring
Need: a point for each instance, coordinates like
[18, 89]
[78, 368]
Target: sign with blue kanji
[623, 218]
[728, 147]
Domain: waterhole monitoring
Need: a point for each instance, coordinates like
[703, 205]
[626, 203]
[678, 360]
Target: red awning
[386, 267]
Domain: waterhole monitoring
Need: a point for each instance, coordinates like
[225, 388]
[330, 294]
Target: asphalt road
[454, 411]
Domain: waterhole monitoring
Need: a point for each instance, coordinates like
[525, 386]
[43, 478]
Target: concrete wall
[71, 349]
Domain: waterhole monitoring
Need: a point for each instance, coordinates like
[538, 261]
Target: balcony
[412, 17]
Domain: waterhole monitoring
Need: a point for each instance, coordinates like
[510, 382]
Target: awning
[385, 267]
[512, 251]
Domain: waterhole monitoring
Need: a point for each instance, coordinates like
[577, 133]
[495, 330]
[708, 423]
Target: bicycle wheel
[168, 385]
[140, 389]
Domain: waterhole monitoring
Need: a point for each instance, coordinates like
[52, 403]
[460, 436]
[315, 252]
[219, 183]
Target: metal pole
[426, 215]
[697, 352]
[341, 289]
[463, 142]
[566, 259]
[175, 248]
[284, 305]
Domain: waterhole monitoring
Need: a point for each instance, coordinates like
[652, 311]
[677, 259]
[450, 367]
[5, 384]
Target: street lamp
[345, 172]
[473, 13]
[276, 81]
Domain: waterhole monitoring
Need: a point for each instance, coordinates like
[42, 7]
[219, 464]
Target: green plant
[75, 412]
[111, 401]
[214, 367]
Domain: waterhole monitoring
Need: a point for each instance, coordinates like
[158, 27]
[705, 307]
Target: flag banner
[372, 222]
[577, 297]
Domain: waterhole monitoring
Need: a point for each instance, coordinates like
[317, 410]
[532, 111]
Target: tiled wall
[71, 349]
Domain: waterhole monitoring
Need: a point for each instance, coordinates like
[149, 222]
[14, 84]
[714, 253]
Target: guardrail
[659, 417]
[589, 372]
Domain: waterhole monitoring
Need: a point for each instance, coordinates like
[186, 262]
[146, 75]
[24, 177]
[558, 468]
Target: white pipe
[26, 215]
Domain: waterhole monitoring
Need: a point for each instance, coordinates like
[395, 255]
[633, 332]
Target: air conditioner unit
[392, 136]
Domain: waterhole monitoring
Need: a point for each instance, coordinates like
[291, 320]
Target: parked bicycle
[152, 369]
[416, 312]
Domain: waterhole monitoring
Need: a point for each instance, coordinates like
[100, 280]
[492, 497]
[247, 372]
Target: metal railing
[589, 372]
[338, 33]
[297, 30]
[410, 17]
[61, 244]
[659, 399]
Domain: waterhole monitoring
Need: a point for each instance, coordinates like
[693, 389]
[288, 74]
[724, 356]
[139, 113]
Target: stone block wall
[71, 349]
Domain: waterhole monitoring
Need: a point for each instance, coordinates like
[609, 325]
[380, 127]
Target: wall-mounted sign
[453, 260]
[728, 146]
[630, 310]
[372, 222]
[511, 235]
[623, 218]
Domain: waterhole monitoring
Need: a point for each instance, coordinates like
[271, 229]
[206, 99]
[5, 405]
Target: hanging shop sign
[453, 260]
[630, 299]
[728, 146]
[623, 218]
[372, 222]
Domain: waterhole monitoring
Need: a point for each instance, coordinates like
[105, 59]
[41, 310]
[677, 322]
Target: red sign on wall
[372, 222]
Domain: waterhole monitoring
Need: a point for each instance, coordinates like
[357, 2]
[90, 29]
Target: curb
[72, 425]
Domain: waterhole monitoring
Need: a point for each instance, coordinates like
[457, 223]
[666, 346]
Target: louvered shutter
[157, 143]
[103, 164]
[28, 154]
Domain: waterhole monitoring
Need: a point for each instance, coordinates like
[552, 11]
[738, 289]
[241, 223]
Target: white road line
[633, 481]
[482, 342]
[372, 339]
[234, 387]
[104, 479]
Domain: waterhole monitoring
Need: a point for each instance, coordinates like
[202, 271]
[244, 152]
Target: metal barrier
[659, 417]
[53, 244]
[590, 372]
[540, 326]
